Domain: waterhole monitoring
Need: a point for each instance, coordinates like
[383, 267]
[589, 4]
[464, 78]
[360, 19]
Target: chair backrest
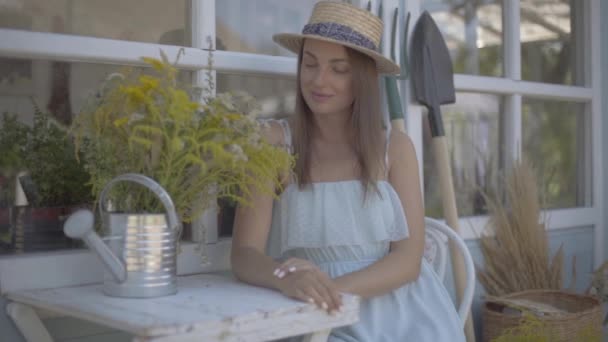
[436, 252]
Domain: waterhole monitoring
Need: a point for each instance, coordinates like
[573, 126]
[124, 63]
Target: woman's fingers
[332, 290]
[321, 292]
[292, 265]
[313, 292]
[308, 287]
[330, 295]
[312, 283]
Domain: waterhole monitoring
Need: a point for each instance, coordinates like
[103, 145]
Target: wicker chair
[436, 252]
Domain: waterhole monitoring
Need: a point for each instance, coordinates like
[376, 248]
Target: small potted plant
[519, 275]
[40, 162]
[198, 151]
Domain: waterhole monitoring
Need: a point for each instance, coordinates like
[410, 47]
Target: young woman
[351, 217]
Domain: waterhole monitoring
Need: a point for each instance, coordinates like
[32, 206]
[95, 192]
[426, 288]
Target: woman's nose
[320, 76]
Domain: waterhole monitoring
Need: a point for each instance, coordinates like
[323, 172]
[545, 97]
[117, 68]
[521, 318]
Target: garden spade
[433, 81]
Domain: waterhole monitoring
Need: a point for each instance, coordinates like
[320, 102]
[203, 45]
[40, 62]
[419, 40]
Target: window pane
[554, 140]
[60, 89]
[472, 132]
[129, 20]
[473, 33]
[248, 25]
[553, 41]
[276, 97]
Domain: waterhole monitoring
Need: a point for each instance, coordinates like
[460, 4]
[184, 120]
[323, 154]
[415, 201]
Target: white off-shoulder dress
[330, 224]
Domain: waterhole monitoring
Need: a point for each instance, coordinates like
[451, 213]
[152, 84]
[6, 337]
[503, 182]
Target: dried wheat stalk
[517, 253]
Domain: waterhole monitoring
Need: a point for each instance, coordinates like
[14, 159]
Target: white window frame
[80, 267]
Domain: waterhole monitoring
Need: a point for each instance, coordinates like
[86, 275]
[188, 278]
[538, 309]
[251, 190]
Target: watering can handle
[153, 186]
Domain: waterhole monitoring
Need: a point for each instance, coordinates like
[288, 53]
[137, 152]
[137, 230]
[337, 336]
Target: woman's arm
[402, 264]
[249, 261]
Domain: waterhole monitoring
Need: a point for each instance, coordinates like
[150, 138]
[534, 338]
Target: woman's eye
[310, 65]
[341, 71]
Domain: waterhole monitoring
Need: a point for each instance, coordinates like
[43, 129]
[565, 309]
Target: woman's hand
[303, 280]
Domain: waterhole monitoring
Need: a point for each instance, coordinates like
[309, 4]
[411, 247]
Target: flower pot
[38, 229]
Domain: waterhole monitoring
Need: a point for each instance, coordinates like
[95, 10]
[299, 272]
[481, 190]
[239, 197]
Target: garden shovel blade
[432, 74]
[433, 81]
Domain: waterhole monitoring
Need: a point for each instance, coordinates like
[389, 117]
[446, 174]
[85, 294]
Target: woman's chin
[325, 110]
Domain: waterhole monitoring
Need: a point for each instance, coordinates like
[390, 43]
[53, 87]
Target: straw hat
[343, 24]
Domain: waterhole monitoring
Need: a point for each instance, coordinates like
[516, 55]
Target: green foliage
[148, 124]
[52, 164]
[13, 138]
[46, 153]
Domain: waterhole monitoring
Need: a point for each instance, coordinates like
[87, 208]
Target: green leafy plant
[59, 178]
[46, 153]
[13, 139]
[149, 124]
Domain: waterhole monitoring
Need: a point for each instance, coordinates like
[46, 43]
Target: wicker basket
[580, 315]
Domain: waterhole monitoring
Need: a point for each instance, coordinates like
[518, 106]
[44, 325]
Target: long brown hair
[366, 122]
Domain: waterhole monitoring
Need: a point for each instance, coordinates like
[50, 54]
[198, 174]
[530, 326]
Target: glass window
[248, 25]
[52, 182]
[473, 32]
[114, 19]
[554, 139]
[472, 131]
[276, 97]
[553, 41]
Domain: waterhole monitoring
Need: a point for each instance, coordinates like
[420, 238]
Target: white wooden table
[207, 307]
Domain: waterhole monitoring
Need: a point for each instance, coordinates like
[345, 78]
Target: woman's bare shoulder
[400, 148]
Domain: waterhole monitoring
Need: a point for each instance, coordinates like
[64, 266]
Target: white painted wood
[206, 307]
[473, 227]
[202, 31]
[28, 323]
[62, 47]
[53, 46]
[320, 336]
[485, 84]
[511, 39]
[73, 268]
[512, 128]
[595, 76]
[38, 45]
[511, 119]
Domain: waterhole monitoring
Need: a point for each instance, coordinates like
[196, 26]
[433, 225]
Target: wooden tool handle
[440, 151]
[398, 124]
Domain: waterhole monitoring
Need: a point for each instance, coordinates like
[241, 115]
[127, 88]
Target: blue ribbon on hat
[340, 33]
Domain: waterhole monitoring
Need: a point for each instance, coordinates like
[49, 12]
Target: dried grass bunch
[516, 249]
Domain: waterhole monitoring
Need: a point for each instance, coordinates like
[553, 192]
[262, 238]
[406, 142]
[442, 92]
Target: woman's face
[326, 78]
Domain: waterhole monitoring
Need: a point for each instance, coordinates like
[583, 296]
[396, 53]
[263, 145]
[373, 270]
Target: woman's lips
[320, 97]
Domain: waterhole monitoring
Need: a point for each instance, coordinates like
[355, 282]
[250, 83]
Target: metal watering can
[139, 254]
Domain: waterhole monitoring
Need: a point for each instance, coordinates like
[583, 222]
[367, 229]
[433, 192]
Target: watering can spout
[80, 226]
